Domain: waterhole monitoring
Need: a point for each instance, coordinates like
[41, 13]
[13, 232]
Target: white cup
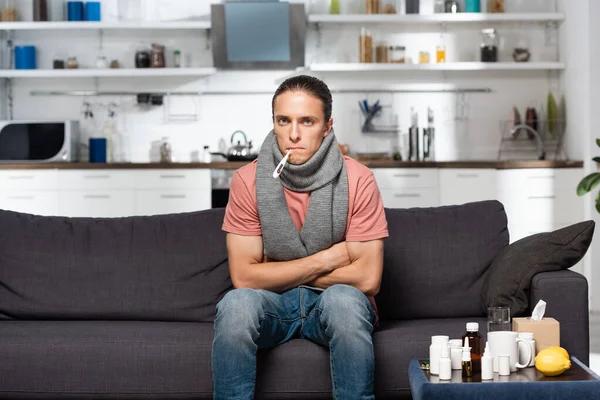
[506, 343]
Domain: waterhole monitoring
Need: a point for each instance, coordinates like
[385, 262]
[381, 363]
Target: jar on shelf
[381, 53]
[9, 12]
[72, 63]
[372, 6]
[489, 45]
[389, 7]
[142, 58]
[334, 6]
[177, 59]
[440, 54]
[496, 6]
[157, 58]
[397, 54]
[365, 46]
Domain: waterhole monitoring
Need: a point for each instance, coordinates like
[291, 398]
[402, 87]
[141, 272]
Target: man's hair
[309, 85]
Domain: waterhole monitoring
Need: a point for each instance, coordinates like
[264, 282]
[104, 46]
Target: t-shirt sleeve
[368, 220]
[241, 213]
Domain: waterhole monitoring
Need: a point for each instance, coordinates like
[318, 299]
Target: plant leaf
[588, 183]
[598, 142]
[598, 202]
[596, 159]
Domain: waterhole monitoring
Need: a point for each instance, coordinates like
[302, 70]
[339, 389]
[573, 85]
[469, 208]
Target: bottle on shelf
[476, 343]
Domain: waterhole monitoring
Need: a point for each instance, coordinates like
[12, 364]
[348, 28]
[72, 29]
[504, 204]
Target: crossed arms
[358, 264]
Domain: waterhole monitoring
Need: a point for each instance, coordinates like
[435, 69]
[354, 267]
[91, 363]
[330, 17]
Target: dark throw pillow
[508, 279]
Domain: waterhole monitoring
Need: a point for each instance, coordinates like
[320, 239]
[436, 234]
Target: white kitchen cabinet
[540, 196]
[21, 179]
[30, 201]
[95, 179]
[97, 203]
[180, 179]
[460, 186]
[152, 202]
[408, 187]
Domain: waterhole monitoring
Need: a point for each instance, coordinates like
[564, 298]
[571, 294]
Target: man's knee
[344, 303]
[239, 308]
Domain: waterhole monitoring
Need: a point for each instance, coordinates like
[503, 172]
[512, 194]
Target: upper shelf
[66, 25]
[434, 18]
[105, 73]
[456, 66]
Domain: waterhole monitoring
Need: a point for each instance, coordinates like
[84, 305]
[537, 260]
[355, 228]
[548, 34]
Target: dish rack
[522, 144]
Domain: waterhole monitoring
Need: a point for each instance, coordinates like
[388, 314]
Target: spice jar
[72, 63]
[496, 6]
[365, 46]
[489, 45]
[9, 14]
[440, 54]
[142, 59]
[177, 59]
[372, 6]
[397, 54]
[381, 53]
[157, 59]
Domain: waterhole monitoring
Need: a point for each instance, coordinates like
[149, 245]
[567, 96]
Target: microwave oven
[39, 141]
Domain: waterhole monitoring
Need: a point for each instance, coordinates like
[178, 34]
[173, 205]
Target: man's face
[299, 125]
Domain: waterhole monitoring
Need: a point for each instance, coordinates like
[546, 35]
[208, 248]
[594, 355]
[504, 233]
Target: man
[305, 250]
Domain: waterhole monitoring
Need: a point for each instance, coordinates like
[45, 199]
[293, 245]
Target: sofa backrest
[435, 259]
[166, 267]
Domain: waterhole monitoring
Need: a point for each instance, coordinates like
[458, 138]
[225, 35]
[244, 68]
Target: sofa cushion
[163, 267]
[435, 258]
[116, 358]
[508, 280]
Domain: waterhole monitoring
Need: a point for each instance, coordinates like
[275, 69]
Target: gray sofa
[123, 308]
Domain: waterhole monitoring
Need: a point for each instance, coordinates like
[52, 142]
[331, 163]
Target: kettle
[239, 151]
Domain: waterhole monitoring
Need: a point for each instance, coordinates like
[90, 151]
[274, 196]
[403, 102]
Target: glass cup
[498, 319]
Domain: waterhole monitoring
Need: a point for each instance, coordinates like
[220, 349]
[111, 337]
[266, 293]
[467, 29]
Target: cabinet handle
[172, 176]
[467, 175]
[541, 197]
[21, 197]
[19, 177]
[97, 196]
[407, 175]
[408, 195]
[96, 177]
[173, 196]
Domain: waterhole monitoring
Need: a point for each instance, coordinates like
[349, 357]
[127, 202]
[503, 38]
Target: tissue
[538, 312]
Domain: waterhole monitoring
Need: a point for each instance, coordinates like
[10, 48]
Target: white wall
[477, 136]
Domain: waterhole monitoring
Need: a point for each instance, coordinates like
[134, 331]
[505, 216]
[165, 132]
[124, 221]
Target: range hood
[258, 35]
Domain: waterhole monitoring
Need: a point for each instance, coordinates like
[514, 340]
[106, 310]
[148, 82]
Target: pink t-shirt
[366, 215]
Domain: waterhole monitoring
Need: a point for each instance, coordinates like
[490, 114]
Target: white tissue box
[546, 332]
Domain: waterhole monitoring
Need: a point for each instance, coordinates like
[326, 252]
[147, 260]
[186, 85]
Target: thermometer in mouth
[280, 166]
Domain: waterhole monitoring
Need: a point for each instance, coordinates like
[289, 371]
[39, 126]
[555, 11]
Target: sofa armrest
[566, 295]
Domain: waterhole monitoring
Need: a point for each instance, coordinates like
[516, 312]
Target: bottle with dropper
[467, 364]
[487, 368]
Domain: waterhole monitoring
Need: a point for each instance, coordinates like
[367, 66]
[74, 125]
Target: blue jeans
[340, 317]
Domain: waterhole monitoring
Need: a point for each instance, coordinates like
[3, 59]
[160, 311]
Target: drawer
[399, 178]
[30, 202]
[97, 203]
[152, 202]
[28, 179]
[459, 186]
[190, 179]
[95, 179]
[409, 198]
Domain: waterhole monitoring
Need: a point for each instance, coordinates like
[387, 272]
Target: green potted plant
[588, 183]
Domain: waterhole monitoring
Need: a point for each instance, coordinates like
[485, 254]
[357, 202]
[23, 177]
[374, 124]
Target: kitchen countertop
[381, 163]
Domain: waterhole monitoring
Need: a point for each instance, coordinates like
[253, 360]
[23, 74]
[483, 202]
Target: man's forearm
[349, 275]
[283, 275]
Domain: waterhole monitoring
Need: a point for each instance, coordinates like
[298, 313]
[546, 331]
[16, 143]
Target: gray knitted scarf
[324, 176]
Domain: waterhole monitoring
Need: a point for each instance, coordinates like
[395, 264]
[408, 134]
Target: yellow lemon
[552, 361]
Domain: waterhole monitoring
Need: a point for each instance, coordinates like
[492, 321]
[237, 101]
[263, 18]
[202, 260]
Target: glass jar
[372, 6]
[142, 59]
[365, 46]
[389, 7]
[496, 6]
[440, 54]
[72, 63]
[489, 45]
[177, 59]
[451, 6]
[381, 53]
[157, 58]
[334, 6]
[397, 54]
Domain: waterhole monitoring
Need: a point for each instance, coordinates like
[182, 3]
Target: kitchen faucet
[538, 139]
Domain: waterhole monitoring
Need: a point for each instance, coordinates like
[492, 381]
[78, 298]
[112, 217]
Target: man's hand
[363, 271]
